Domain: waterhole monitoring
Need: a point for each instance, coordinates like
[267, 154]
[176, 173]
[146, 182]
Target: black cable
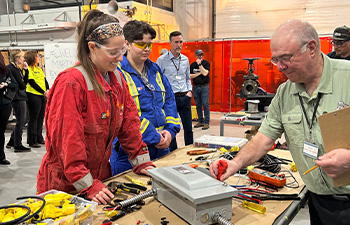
[19, 219]
[36, 212]
[267, 162]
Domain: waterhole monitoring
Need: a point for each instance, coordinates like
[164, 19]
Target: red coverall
[79, 133]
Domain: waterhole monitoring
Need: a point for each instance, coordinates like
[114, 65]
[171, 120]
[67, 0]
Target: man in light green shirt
[315, 85]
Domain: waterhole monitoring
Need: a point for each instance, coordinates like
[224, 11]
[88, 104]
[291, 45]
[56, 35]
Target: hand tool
[253, 206]
[201, 151]
[267, 177]
[222, 168]
[115, 186]
[311, 169]
[134, 180]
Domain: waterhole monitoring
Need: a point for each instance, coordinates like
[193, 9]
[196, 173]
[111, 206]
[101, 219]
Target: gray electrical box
[191, 194]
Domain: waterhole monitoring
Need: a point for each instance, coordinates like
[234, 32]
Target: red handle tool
[222, 168]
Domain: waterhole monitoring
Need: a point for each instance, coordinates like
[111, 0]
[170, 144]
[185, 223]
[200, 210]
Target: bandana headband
[105, 31]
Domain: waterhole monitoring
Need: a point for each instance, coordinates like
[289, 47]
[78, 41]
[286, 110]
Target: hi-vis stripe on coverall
[157, 107]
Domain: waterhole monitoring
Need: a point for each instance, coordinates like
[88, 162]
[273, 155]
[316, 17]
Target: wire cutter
[116, 187]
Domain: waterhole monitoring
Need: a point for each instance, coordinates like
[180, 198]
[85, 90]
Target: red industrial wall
[218, 53]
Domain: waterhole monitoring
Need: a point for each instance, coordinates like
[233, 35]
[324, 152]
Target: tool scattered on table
[267, 177]
[222, 166]
[253, 206]
[135, 181]
[117, 187]
[201, 151]
[308, 171]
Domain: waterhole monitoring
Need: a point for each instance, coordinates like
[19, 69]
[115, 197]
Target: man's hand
[144, 171]
[167, 138]
[189, 94]
[199, 61]
[103, 197]
[161, 142]
[335, 162]
[232, 168]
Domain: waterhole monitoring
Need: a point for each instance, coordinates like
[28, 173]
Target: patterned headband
[105, 31]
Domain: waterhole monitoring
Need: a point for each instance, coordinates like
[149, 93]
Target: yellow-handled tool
[255, 207]
[134, 180]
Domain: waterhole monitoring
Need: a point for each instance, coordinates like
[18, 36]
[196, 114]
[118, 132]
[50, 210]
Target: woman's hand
[144, 171]
[103, 197]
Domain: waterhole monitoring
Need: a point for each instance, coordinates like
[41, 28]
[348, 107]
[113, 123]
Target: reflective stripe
[84, 182]
[160, 83]
[132, 88]
[85, 74]
[160, 128]
[173, 120]
[144, 125]
[139, 160]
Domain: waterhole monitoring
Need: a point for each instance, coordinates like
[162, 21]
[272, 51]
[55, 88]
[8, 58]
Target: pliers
[114, 186]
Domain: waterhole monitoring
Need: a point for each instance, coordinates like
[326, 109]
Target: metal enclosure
[191, 194]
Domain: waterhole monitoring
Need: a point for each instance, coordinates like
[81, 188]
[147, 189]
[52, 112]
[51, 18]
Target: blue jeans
[201, 97]
[183, 106]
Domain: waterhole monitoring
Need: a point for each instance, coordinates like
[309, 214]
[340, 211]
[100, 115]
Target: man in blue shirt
[176, 68]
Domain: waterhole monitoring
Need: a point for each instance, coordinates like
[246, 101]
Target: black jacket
[20, 79]
[12, 84]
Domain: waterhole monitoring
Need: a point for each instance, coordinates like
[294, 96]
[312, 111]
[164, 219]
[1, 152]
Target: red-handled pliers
[222, 168]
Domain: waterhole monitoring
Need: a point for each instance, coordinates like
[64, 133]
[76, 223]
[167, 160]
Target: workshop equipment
[134, 180]
[201, 151]
[267, 177]
[194, 196]
[210, 141]
[253, 206]
[222, 168]
[117, 187]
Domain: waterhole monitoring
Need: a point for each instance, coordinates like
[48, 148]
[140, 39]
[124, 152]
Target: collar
[326, 83]
[125, 65]
[171, 56]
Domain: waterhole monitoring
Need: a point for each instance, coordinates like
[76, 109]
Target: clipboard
[335, 128]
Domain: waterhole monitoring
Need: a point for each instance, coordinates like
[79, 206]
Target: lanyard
[314, 113]
[177, 67]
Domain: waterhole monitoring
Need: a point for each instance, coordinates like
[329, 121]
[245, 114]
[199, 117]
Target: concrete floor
[19, 178]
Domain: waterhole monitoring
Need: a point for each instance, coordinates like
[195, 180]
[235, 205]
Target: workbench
[152, 212]
[252, 120]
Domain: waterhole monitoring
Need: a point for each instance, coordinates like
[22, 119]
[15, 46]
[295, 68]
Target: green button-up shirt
[286, 115]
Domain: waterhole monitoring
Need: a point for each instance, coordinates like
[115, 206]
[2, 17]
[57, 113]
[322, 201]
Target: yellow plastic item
[234, 149]
[8, 217]
[134, 180]
[293, 167]
[250, 168]
[255, 207]
[223, 150]
[2, 214]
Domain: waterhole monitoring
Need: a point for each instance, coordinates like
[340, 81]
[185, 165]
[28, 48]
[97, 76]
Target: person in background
[163, 51]
[88, 106]
[37, 91]
[315, 85]
[341, 43]
[151, 91]
[176, 68]
[7, 85]
[199, 72]
[19, 103]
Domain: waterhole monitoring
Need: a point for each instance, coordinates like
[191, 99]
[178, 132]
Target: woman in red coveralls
[88, 106]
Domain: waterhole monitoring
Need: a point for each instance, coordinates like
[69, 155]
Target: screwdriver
[255, 207]
[134, 180]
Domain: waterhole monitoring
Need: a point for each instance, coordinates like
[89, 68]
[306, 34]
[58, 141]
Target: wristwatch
[200, 64]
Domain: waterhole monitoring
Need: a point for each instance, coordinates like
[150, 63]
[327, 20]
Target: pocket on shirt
[293, 127]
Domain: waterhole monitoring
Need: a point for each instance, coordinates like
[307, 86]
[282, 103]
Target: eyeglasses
[339, 43]
[112, 51]
[287, 58]
[143, 45]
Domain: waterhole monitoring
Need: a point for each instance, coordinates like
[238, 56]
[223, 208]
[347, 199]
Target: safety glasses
[339, 43]
[113, 52]
[143, 45]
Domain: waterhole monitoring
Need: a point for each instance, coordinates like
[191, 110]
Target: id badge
[178, 77]
[310, 150]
